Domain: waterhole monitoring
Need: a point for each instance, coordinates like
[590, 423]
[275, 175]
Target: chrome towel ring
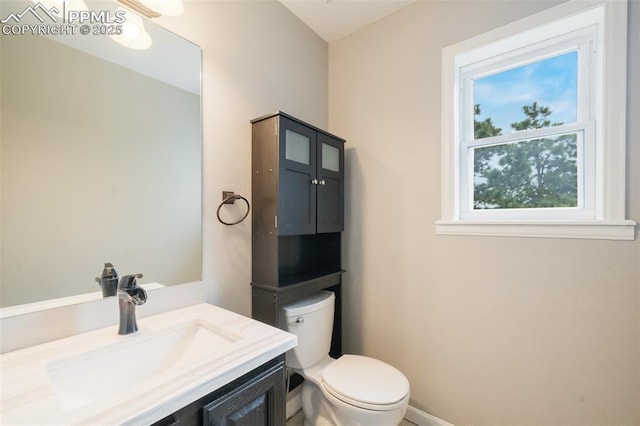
[229, 197]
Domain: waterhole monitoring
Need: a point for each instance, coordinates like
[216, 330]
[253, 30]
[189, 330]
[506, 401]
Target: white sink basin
[134, 361]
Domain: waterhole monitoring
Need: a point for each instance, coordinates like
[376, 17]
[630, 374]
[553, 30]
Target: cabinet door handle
[314, 181]
[322, 182]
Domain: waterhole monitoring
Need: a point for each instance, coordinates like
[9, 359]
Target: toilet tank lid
[361, 379]
[309, 304]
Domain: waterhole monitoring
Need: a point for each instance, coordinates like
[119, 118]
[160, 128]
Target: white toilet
[352, 390]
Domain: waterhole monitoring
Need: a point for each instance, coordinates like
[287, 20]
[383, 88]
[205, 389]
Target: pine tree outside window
[534, 129]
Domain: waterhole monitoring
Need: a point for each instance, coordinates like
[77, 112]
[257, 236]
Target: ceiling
[333, 19]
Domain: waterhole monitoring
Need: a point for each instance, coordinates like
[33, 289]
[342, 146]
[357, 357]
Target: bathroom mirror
[100, 160]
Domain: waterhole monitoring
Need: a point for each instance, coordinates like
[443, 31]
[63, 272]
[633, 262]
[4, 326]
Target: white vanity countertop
[28, 395]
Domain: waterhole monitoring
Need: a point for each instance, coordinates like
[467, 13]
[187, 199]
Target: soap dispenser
[108, 281]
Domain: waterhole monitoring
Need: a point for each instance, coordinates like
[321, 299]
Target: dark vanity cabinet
[256, 399]
[297, 215]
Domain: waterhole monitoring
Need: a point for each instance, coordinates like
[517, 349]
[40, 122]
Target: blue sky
[551, 82]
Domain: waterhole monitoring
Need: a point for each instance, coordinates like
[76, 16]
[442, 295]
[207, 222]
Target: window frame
[601, 116]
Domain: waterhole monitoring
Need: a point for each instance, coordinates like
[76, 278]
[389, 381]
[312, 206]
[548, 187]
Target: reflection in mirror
[100, 160]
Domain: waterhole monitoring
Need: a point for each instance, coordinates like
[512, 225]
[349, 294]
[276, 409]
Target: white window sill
[597, 230]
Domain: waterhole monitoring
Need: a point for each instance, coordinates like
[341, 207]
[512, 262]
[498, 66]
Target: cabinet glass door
[297, 191]
[330, 214]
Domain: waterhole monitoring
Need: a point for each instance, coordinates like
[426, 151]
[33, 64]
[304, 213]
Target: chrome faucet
[129, 295]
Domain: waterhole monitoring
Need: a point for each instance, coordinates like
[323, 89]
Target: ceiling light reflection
[133, 34]
[165, 7]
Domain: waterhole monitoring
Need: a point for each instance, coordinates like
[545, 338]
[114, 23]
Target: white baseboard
[421, 418]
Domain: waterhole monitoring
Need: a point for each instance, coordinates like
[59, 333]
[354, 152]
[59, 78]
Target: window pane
[297, 147]
[330, 158]
[532, 96]
[535, 173]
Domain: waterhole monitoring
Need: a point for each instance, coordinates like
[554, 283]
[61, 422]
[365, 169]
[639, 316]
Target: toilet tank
[311, 320]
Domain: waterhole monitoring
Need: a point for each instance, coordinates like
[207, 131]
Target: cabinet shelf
[317, 281]
[325, 278]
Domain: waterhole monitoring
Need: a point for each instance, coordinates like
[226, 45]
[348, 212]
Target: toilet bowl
[352, 390]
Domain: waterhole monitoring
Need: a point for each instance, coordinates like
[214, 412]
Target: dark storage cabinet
[297, 214]
[256, 399]
[298, 202]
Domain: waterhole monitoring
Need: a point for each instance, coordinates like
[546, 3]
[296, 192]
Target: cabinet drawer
[259, 402]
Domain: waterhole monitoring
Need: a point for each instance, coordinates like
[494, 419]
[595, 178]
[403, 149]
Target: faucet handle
[108, 281]
[129, 281]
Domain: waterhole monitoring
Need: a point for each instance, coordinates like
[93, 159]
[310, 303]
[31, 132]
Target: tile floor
[298, 420]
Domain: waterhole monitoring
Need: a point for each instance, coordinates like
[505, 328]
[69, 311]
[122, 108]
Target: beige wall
[257, 58]
[490, 331]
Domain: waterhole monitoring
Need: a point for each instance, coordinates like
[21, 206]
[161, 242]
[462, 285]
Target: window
[533, 133]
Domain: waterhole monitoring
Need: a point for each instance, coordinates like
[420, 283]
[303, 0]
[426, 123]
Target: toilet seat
[366, 383]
